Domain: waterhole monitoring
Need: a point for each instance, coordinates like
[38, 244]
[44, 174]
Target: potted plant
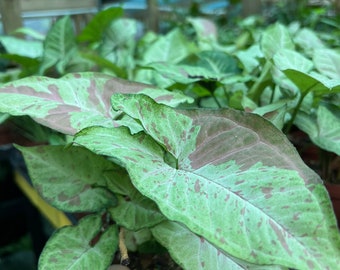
[174, 161]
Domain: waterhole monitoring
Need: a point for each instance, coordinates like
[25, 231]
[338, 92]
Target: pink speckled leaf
[71, 179]
[74, 101]
[72, 247]
[231, 177]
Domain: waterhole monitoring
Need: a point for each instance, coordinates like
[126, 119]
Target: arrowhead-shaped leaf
[71, 179]
[74, 101]
[59, 46]
[233, 178]
[70, 248]
[171, 48]
[322, 128]
[94, 30]
[136, 213]
[275, 38]
[133, 211]
[327, 62]
[307, 83]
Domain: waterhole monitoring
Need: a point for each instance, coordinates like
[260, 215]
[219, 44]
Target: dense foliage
[188, 150]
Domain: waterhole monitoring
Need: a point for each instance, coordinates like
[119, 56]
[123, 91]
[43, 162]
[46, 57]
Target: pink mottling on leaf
[280, 236]
[267, 191]
[197, 186]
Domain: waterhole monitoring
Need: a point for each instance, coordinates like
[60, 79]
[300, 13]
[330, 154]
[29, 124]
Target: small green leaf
[70, 248]
[289, 59]
[250, 57]
[275, 38]
[171, 48]
[71, 179]
[308, 41]
[59, 46]
[327, 62]
[94, 30]
[307, 83]
[136, 212]
[322, 128]
[164, 132]
[22, 47]
[133, 211]
[216, 62]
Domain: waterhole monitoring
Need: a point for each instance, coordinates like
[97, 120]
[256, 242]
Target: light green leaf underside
[69, 248]
[324, 129]
[241, 171]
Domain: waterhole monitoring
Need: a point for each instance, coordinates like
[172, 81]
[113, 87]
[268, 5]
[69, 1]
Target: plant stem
[296, 109]
[255, 91]
[216, 100]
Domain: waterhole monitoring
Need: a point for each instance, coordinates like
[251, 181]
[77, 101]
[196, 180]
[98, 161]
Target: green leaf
[71, 179]
[59, 46]
[171, 48]
[194, 252]
[233, 178]
[70, 248]
[3, 117]
[308, 40]
[327, 62]
[27, 48]
[274, 112]
[307, 83]
[136, 212]
[289, 59]
[74, 101]
[250, 57]
[205, 28]
[275, 38]
[115, 37]
[28, 65]
[322, 128]
[164, 132]
[216, 62]
[94, 30]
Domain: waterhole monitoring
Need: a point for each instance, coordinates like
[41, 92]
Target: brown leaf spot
[267, 191]
[239, 182]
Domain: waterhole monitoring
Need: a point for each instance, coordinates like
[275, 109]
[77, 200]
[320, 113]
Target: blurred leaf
[275, 38]
[94, 30]
[171, 48]
[322, 128]
[59, 46]
[327, 62]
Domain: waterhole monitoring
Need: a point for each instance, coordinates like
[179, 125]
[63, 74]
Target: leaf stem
[256, 91]
[296, 109]
[216, 100]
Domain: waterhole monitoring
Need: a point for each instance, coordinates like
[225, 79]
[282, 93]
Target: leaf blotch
[197, 186]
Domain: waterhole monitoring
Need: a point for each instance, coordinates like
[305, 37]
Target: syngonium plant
[220, 189]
